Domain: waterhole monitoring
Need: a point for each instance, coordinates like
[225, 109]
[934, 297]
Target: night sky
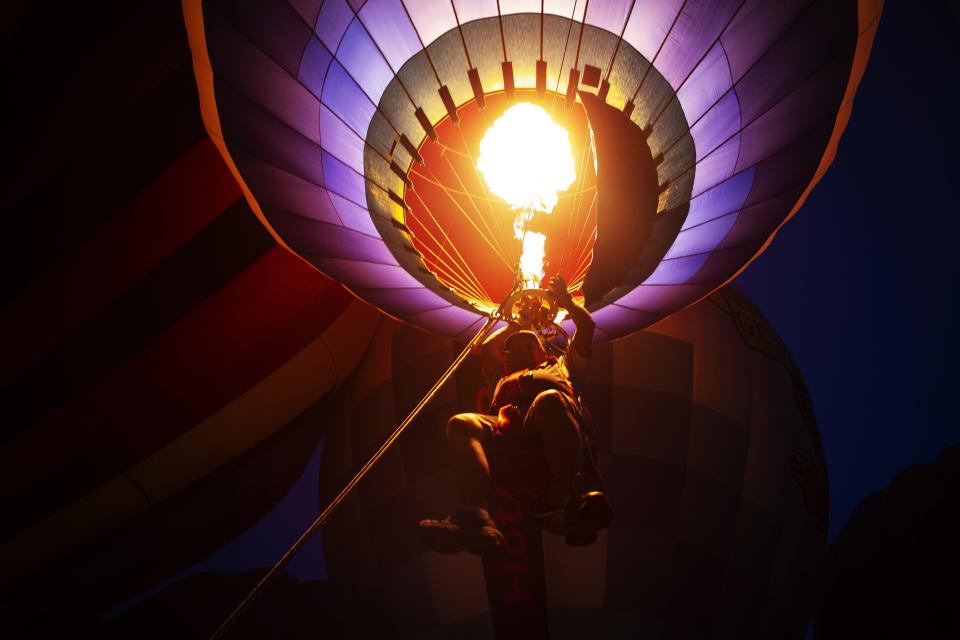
[858, 284]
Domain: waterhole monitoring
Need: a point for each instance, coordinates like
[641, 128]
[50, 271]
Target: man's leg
[470, 528]
[556, 422]
[466, 435]
[556, 425]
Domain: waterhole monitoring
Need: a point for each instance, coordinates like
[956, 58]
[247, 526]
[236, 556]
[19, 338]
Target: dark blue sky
[860, 283]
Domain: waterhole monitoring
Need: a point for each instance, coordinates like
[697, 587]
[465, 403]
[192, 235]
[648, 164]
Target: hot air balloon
[354, 128]
[711, 457]
[165, 366]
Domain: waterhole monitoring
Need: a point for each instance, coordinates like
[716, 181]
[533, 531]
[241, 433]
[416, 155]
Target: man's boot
[584, 515]
[470, 529]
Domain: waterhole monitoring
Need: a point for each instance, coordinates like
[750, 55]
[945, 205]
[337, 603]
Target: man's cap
[514, 338]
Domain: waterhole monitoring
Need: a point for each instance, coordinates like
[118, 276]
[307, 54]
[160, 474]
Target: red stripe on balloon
[172, 209]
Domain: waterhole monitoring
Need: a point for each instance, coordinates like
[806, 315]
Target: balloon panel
[470, 10]
[331, 21]
[345, 99]
[692, 34]
[531, 6]
[707, 84]
[647, 29]
[269, 139]
[722, 199]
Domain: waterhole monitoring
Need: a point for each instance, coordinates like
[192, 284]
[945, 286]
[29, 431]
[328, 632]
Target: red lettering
[516, 595]
[514, 542]
[504, 517]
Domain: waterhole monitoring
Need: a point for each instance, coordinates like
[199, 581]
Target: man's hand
[509, 417]
[583, 336]
[558, 287]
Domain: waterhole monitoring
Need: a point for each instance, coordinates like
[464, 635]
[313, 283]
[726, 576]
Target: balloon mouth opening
[496, 191]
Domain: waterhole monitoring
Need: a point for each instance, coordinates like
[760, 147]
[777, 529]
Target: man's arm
[583, 336]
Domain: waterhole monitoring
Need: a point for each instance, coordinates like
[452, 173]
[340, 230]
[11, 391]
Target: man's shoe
[470, 529]
[585, 515]
[578, 520]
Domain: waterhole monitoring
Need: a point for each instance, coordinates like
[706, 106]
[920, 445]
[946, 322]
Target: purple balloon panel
[649, 25]
[676, 270]
[692, 36]
[617, 321]
[260, 133]
[311, 237]
[662, 299]
[796, 115]
[706, 85]
[759, 221]
[756, 28]
[362, 60]
[279, 189]
[388, 25]
[332, 22]
[610, 16]
[468, 10]
[717, 126]
[447, 320]
[431, 19]
[313, 66]
[508, 7]
[702, 238]
[717, 166]
[343, 180]
[260, 79]
[340, 141]
[365, 275]
[727, 197]
[820, 35]
[404, 302]
[345, 98]
[354, 216]
[788, 168]
[467, 334]
[721, 264]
